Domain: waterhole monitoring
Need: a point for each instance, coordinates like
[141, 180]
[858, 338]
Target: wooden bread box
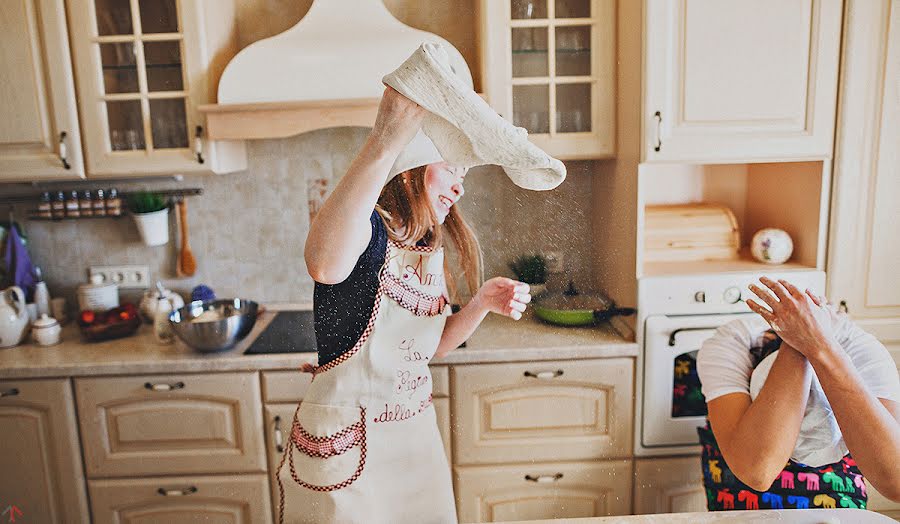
[690, 232]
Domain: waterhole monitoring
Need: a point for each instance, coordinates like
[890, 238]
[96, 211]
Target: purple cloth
[19, 270]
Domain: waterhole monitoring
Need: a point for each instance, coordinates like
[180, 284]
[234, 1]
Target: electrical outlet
[126, 277]
[555, 261]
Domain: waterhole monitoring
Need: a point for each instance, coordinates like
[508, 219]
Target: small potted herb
[151, 215]
[531, 269]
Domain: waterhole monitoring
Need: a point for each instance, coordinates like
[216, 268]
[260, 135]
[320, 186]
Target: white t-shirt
[725, 366]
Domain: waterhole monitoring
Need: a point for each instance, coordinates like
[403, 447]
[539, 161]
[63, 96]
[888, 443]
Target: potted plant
[531, 269]
[151, 215]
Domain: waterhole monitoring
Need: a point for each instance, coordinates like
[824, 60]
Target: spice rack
[82, 211]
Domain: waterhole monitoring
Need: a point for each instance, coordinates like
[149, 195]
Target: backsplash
[248, 229]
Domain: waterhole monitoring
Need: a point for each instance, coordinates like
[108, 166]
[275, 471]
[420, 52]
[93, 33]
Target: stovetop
[289, 332]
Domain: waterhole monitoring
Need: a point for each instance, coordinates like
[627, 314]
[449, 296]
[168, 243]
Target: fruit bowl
[114, 323]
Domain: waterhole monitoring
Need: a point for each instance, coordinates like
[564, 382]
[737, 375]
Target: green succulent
[146, 202]
[531, 269]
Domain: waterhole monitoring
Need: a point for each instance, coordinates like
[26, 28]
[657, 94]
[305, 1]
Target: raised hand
[398, 120]
[504, 296]
[802, 320]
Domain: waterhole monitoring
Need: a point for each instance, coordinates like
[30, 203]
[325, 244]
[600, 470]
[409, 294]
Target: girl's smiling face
[444, 186]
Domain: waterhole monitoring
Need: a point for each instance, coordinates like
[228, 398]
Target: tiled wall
[248, 229]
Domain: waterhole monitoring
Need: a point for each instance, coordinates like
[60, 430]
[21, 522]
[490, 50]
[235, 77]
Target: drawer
[442, 411]
[668, 485]
[237, 499]
[563, 410]
[542, 491]
[171, 424]
[440, 381]
[881, 504]
[285, 386]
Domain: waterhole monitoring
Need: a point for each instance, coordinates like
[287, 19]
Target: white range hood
[324, 72]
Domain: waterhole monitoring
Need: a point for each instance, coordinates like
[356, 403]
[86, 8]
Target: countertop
[498, 339]
[792, 516]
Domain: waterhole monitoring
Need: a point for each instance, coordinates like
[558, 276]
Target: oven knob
[732, 295]
[700, 296]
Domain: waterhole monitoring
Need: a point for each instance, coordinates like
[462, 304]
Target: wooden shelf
[745, 264]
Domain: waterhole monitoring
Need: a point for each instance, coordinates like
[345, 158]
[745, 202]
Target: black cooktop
[289, 332]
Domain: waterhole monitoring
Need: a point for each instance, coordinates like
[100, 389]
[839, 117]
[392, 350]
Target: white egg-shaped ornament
[772, 246]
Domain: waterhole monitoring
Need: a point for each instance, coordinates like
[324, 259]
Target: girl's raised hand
[398, 120]
[504, 296]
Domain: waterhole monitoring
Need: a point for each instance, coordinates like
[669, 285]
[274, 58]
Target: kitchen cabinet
[234, 499]
[668, 485]
[740, 81]
[548, 66]
[881, 504]
[542, 411]
[39, 134]
[41, 459]
[171, 424]
[543, 491]
[440, 380]
[865, 223]
[144, 68]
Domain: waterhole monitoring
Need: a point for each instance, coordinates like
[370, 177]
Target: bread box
[690, 232]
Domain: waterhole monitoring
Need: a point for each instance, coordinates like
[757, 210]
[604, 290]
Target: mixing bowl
[214, 325]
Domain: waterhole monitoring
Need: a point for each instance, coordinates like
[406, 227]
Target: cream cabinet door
[669, 485]
[730, 80]
[144, 69]
[230, 499]
[881, 504]
[442, 410]
[543, 491]
[557, 410]
[278, 431]
[864, 253]
[39, 135]
[41, 458]
[171, 424]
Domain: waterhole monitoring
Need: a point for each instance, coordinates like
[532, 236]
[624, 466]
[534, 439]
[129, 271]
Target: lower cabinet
[227, 499]
[278, 431]
[882, 504]
[668, 485]
[543, 491]
[42, 479]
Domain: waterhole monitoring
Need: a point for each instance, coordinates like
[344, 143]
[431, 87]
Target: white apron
[364, 443]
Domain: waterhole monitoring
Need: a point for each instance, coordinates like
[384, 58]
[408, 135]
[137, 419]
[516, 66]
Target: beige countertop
[498, 339]
[792, 516]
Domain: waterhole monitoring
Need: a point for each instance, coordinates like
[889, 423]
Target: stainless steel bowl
[214, 325]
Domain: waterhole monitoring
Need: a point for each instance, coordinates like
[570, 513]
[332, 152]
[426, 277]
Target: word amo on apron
[364, 443]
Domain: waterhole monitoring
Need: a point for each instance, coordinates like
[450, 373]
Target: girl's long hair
[409, 218]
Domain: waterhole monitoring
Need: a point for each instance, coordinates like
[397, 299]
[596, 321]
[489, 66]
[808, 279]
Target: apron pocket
[327, 446]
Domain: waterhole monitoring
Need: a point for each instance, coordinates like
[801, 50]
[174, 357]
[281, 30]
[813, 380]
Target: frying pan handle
[605, 314]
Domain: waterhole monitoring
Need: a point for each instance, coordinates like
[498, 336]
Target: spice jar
[113, 203]
[44, 209]
[85, 204]
[72, 209]
[99, 204]
[58, 206]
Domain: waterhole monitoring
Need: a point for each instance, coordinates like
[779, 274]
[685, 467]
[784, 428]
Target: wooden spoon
[187, 264]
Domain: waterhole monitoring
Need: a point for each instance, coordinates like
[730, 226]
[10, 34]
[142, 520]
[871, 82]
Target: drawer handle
[177, 492]
[11, 392]
[163, 386]
[63, 150]
[545, 375]
[198, 144]
[658, 117]
[544, 479]
[279, 440]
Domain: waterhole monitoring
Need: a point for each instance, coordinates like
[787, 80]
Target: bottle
[113, 203]
[99, 204]
[85, 204]
[162, 329]
[45, 210]
[72, 207]
[58, 206]
[41, 293]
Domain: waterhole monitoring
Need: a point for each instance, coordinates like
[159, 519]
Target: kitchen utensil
[41, 293]
[688, 232]
[214, 325]
[149, 301]
[187, 264]
[98, 296]
[13, 317]
[162, 328]
[46, 331]
[572, 308]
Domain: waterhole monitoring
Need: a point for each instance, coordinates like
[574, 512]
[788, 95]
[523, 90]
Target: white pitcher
[13, 317]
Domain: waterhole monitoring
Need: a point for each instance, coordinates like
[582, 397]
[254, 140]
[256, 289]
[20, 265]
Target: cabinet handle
[675, 333]
[63, 150]
[177, 492]
[279, 440]
[11, 392]
[544, 375]
[658, 117]
[843, 307]
[544, 479]
[198, 144]
[164, 387]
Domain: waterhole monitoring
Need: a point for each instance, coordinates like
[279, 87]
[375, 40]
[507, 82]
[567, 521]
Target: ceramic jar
[46, 331]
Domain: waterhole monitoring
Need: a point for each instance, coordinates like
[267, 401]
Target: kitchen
[620, 91]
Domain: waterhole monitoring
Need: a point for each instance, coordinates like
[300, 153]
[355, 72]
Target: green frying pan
[571, 308]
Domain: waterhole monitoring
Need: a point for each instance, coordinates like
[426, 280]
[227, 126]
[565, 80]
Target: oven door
[673, 405]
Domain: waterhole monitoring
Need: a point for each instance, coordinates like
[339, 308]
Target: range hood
[324, 72]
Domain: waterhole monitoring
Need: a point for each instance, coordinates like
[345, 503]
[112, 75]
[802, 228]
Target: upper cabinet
[548, 66]
[144, 66]
[735, 81]
[39, 137]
